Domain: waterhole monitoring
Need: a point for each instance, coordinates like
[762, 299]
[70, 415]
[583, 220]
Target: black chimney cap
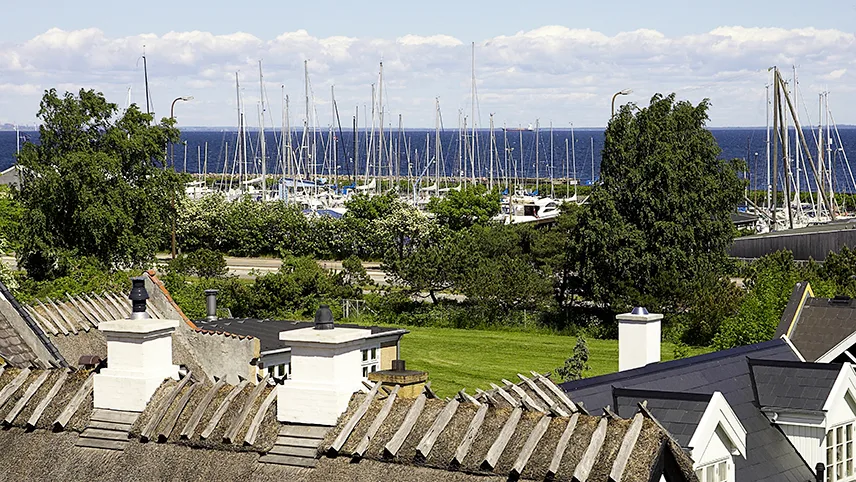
[138, 297]
[323, 318]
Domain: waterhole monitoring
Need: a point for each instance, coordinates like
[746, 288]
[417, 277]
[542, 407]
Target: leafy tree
[577, 364]
[769, 282]
[840, 269]
[204, 263]
[353, 277]
[93, 187]
[431, 265]
[660, 221]
[369, 208]
[472, 205]
[555, 250]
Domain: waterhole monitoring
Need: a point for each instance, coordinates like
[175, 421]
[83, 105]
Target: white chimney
[326, 364]
[139, 357]
[638, 338]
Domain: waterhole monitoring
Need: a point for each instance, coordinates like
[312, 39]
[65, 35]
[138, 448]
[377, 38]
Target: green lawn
[473, 359]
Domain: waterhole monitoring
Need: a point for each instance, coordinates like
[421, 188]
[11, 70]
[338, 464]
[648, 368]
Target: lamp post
[172, 157]
[172, 117]
[621, 92]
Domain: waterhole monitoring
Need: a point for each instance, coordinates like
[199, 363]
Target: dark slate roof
[791, 309]
[793, 385]
[823, 324]
[678, 412]
[12, 346]
[267, 331]
[771, 457]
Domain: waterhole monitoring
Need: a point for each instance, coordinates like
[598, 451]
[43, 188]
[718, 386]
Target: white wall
[809, 442]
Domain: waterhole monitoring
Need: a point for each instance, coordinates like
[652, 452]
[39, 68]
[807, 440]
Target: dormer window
[714, 472]
[371, 362]
[839, 453]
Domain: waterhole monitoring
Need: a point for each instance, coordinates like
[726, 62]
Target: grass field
[473, 359]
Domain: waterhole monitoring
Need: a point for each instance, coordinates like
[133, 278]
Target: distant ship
[528, 128]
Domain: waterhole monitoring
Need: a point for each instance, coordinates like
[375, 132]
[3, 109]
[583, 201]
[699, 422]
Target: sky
[551, 62]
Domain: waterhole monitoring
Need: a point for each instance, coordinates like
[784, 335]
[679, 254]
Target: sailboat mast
[829, 153]
[537, 159]
[473, 107]
[592, 161]
[567, 180]
[552, 194]
[240, 143]
[492, 146]
[505, 153]
[146, 79]
[769, 189]
[574, 157]
[262, 133]
[380, 123]
[437, 146]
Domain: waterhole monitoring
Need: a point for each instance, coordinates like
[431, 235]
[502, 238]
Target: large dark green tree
[472, 205]
[657, 229]
[94, 185]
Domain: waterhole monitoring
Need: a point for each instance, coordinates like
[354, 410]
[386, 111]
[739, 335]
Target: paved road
[244, 267]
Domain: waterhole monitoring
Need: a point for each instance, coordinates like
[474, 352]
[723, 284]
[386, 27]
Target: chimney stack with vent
[139, 357]
[211, 305]
[638, 338]
[326, 370]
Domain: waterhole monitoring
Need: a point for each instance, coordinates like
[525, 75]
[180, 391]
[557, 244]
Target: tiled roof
[792, 308]
[822, 324]
[678, 412]
[770, 458]
[267, 331]
[13, 349]
[792, 384]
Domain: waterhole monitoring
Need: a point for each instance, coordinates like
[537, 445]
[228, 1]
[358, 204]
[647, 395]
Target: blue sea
[581, 162]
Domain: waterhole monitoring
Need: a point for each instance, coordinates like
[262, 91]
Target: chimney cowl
[640, 310]
[138, 297]
[324, 318]
[211, 305]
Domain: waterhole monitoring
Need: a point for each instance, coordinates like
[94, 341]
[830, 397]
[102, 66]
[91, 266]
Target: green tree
[93, 186]
[576, 365]
[555, 250]
[470, 206]
[660, 221]
[769, 281]
[430, 265]
[203, 262]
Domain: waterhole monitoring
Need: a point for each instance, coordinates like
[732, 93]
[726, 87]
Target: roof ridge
[753, 362]
[661, 394]
[670, 365]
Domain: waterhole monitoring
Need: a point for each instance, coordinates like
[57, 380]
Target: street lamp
[172, 156]
[621, 92]
[172, 116]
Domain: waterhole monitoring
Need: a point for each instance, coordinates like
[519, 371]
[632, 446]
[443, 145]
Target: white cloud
[553, 72]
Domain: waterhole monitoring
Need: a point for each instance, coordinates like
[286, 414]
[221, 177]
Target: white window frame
[370, 360]
[838, 443]
[717, 471]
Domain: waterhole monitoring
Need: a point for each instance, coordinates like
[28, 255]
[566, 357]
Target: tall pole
[262, 134]
[574, 158]
[769, 188]
[146, 78]
[473, 107]
[775, 144]
[537, 158]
